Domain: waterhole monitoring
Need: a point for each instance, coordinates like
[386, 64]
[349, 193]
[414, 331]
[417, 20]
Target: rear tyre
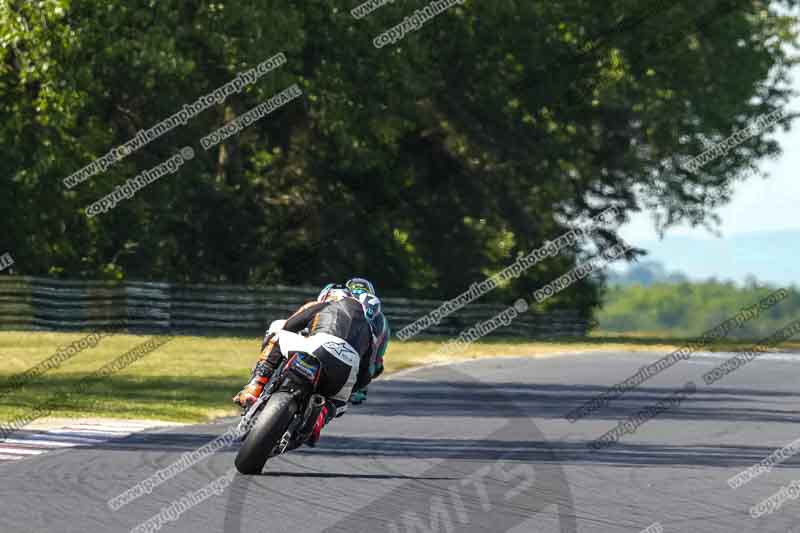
[266, 433]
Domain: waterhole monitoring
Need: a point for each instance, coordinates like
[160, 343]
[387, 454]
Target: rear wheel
[266, 433]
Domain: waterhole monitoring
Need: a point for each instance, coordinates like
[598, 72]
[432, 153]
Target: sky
[759, 208]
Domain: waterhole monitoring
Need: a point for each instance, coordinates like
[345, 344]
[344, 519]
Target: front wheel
[266, 433]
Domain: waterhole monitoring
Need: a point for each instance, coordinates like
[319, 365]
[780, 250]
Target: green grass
[192, 379]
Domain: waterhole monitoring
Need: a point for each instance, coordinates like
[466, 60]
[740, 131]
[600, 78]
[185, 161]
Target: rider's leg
[336, 384]
[266, 365]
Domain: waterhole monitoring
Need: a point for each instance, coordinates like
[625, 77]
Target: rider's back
[344, 319]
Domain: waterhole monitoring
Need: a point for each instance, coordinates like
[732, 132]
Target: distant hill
[688, 309]
[645, 273]
[772, 256]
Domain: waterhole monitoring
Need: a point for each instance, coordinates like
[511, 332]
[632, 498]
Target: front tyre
[266, 433]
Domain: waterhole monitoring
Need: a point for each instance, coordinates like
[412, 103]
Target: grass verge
[192, 378]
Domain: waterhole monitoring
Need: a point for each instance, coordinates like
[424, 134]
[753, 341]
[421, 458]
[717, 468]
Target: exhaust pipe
[318, 400]
[315, 405]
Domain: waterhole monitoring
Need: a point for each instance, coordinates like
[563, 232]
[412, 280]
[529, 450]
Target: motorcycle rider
[365, 292]
[344, 344]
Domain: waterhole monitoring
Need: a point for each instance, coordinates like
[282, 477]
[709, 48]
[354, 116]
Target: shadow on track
[516, 403]
[325, 475]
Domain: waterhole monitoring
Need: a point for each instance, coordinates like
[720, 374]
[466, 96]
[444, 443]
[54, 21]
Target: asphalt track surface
[481, 446]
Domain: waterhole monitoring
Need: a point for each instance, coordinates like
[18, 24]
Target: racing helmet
[359, 286]
[364, 291]
[333, 292]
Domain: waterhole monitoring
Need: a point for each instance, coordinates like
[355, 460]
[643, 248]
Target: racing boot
[359, 396]
[250, 393]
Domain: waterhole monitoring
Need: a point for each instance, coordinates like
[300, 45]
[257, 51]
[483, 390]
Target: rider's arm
[303, 316]
[364, 376]
[382, 350]
[278, 325]
[270, 353]
[274, 328]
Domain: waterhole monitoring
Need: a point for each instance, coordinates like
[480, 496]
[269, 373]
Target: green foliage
[424, 165]
[689, 309]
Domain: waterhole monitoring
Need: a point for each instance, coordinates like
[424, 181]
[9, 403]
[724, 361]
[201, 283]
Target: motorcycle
[283, 416]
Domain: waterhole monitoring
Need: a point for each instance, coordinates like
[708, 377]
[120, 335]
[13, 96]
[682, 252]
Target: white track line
[41, 442]
[456, 362]
[103, 429]
[20, 451]
[28, 443]
[82, 431]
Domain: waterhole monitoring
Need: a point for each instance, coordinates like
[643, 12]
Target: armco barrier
[32, 303]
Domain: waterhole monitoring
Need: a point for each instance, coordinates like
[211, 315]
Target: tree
[426, 165]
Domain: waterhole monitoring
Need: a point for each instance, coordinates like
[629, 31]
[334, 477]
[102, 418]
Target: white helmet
[333, 292]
